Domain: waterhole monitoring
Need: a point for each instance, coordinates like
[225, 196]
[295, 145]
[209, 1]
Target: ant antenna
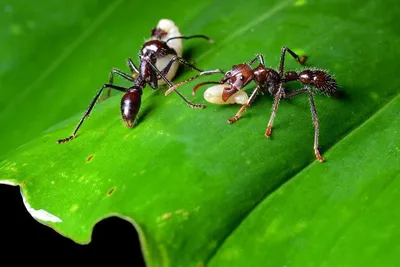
[191, 37]
[203, 83]
[176, 91]
[206, 72]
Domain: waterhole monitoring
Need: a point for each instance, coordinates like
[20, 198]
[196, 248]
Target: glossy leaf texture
[201, 191]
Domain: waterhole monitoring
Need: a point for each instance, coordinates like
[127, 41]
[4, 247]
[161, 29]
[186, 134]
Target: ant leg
[206, 72]
[245, 106]
[301, 60]
[134, 72]
[191, 37]
[132, 67]
[259, 57]
[278, 96]
[89, 109]
[180, 60]
[159, 73]
[294, 93]
[111, 81]
[314, 118]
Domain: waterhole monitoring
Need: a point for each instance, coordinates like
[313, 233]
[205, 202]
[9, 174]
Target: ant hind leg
[314, 118]
[89, 109]
[111, 81]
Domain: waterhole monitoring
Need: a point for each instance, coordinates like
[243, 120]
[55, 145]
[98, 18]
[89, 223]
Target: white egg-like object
[214, 95]
[172, 30]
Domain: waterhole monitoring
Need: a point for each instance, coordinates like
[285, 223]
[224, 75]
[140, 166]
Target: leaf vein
[291, 177]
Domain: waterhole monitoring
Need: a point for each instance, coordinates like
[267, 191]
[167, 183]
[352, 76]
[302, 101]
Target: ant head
[150, 50]
[238, 77]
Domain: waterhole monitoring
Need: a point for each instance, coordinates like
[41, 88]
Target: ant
[154, 55]
[269, 79]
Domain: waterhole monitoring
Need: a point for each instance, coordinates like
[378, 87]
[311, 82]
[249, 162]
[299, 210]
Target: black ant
[152, 52]
[269, 79]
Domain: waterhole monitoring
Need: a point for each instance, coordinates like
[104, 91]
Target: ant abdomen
[320, 79]
[130, 105]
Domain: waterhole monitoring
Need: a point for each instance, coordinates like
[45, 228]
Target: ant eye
[242, 78]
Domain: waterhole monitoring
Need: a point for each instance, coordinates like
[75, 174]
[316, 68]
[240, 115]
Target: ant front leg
[314, 118]
[301, 60]
[180, 60]
[111, 81]
[89, 109]
[162, 75]
[259, 57]
[133, 68]
[245, 106]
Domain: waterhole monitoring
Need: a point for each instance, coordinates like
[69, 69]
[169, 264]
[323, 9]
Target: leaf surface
[199, 190]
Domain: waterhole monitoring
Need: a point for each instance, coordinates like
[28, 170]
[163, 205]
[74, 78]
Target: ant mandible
[269, 79]
[154, 55]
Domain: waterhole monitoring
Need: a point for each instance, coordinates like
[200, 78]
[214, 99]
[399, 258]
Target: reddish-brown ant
[154, 55]
[269, 79]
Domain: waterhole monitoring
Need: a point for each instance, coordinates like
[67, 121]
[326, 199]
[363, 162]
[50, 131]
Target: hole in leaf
[112, 239]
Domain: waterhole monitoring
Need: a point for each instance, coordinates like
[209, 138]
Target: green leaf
[336, 214]
[199, 190]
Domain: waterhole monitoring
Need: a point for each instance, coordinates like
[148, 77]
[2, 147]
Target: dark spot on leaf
[90, 158]
[111, 191]
[23, 183]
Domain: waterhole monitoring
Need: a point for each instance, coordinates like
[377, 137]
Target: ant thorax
[213, 95]
[169, 30]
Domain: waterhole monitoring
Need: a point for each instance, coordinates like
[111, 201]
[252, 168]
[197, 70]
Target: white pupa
[172, 30]
[214, 95]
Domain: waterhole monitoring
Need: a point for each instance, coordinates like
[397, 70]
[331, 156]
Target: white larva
[214, 95]
[172, 31]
